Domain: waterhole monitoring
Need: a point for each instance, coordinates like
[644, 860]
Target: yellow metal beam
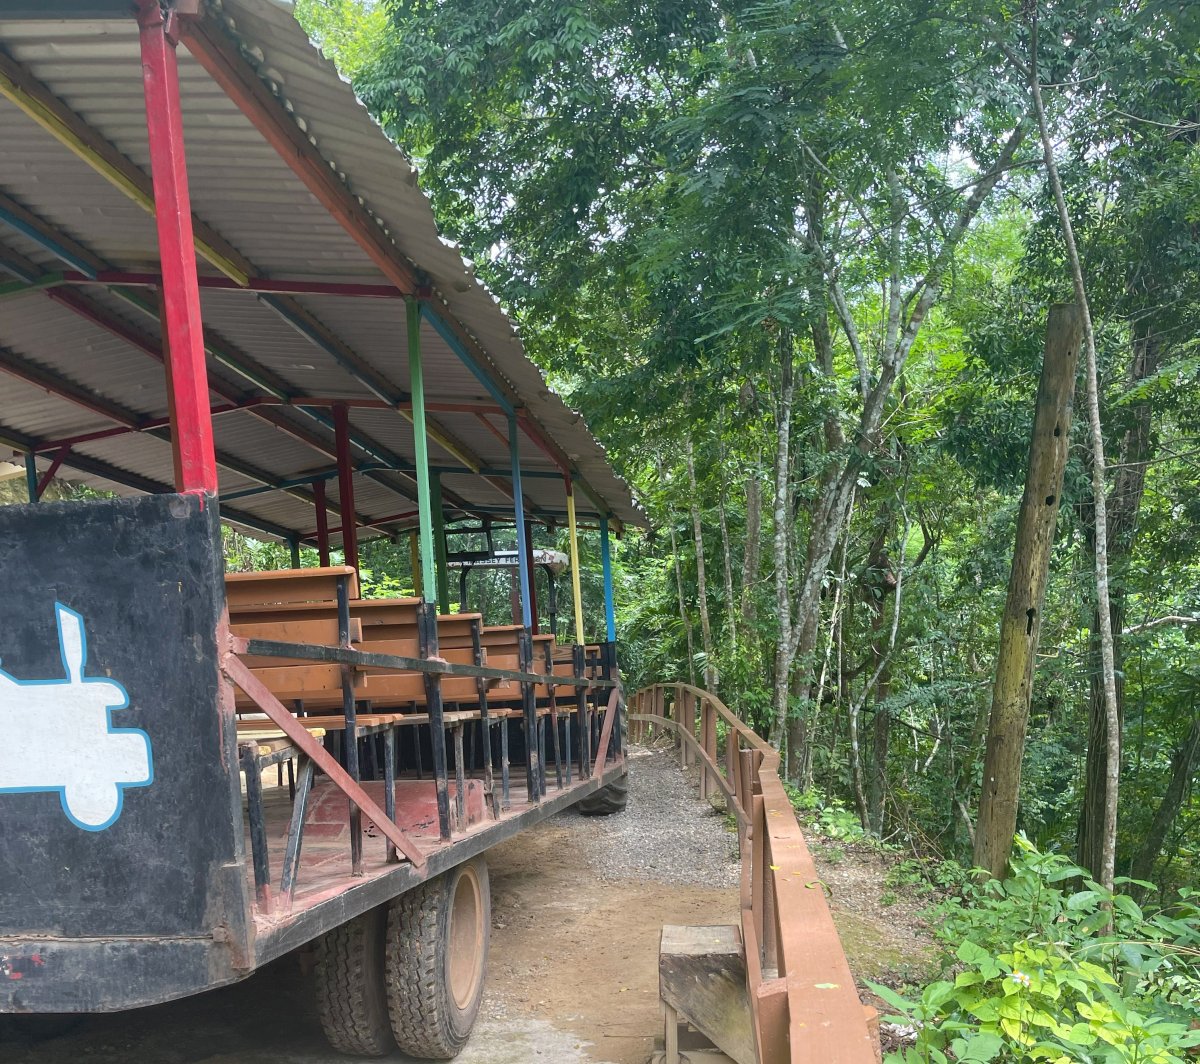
[31, 97]
[576, 588]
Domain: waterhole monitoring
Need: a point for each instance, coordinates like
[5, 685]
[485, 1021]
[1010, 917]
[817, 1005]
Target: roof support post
[341, 432]
[524, 554]
[191, 430]
[31, 476]
[576, 585]
[439, 544]
[414, 554]
[465, 357]
[429, 580]
[318, 490]
[610, 615]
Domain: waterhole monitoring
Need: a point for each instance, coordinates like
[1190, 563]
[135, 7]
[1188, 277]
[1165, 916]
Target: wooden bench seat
[288, 586]
[365, 723]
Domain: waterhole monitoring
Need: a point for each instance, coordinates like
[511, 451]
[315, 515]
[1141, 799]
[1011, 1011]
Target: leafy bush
[1033, 974]
[826, 814]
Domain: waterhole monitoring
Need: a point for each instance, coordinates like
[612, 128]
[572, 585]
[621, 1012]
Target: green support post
[421, 448]
[439, 544]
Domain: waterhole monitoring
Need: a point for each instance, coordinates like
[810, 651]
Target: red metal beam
[376, 522]
[40, 377]
[322, 532]
[265, 285]
[225, 65]
[142, 426]
[49, 474]
[192, 430]
[534, 432]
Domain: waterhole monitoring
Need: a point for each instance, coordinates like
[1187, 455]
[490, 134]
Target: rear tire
[609, 799]
[436, 956]
[351, 988]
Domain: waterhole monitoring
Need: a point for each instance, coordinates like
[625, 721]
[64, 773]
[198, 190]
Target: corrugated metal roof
[241, 188]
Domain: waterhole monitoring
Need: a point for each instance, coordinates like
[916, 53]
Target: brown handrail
[803, 1000]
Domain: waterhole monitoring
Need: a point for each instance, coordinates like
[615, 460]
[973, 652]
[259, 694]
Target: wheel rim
[464, 959]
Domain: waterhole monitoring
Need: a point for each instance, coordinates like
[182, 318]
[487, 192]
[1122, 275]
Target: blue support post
[526, 577]
[610, 615]
[31, 477]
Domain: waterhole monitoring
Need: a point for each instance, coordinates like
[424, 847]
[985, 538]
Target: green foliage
[664, 195]
[1035, 974]
[828, 815]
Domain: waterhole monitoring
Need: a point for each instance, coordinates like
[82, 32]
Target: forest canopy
[794, 262]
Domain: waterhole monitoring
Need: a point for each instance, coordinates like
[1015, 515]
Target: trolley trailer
[203, 771]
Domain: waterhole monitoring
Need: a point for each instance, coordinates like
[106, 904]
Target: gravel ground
[578, 904]
[667, 834]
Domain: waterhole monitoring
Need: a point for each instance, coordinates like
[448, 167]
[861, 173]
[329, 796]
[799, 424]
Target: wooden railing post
[803, 1001]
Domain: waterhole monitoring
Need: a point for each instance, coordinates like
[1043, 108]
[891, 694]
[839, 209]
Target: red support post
[318, 488]
[341, 431]
[192, 429]
[48, 476]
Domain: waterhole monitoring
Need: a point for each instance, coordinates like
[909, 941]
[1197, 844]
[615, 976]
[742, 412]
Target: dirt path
[578, 905]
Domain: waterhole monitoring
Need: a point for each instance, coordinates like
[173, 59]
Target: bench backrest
[288, 586]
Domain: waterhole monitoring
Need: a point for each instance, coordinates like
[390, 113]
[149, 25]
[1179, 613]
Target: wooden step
[702, 982]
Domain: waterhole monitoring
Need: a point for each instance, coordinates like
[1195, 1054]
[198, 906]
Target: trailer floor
[578, 904]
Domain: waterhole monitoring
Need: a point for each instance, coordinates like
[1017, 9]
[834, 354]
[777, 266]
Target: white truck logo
[58, 736]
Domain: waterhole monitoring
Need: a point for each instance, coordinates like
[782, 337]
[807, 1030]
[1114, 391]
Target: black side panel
[115, 820]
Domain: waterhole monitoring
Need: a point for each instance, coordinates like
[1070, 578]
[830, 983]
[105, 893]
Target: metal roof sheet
[242, 188]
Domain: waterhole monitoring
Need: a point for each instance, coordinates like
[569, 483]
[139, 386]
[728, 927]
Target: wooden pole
[1022, 620]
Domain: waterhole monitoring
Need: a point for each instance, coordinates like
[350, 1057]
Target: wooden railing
[803, 1001]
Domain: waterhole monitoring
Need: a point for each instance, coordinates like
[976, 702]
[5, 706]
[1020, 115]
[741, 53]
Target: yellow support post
[576, 588]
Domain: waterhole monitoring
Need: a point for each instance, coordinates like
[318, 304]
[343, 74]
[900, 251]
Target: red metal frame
[265, 285]
[341, 433]
[242, 85]
[48, 476]
[375, 523]
[192, 434]
[322, 533]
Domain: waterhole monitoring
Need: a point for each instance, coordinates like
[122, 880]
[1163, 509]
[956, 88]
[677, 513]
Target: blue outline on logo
[60, 610]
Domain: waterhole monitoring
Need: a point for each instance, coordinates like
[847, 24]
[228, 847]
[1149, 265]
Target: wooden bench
[288, 586]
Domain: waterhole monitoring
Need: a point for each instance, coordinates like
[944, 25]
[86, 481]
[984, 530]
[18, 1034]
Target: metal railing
[804, 1003]
[599, 737]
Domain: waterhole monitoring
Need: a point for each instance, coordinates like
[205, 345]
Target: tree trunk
[781, 515]
[731, 606]
[880, 730]
[1184, 764]
[1125, 501]
[856, 772]
[879, 584]
[683, 610]
[752, 552]
[1108, 668]
[1021, 623]
[710, 668]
